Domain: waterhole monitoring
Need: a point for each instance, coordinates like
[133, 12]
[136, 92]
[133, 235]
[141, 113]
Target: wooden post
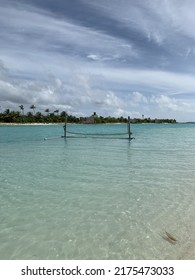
[129, 128]
[65, 126]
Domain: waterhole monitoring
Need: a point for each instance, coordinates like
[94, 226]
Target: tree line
[33, 116]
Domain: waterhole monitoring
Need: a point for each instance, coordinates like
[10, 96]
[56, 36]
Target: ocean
[97, 197]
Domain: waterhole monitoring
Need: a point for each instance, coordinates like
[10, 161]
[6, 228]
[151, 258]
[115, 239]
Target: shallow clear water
[91, 198]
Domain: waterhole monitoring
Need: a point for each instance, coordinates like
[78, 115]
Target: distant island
[18, 117]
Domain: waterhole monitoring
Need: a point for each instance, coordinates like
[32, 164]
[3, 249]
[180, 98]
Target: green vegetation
[20, 117]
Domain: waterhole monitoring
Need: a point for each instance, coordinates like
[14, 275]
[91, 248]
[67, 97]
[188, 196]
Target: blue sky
[114, 57]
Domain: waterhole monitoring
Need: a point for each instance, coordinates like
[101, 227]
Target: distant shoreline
[39, 124]
[24, 124]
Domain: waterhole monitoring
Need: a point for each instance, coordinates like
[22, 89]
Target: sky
[113, 57]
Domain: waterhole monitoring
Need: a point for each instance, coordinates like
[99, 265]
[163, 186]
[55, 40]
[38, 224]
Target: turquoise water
[91, 198]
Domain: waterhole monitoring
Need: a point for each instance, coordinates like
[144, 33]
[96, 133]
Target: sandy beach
[19, 124]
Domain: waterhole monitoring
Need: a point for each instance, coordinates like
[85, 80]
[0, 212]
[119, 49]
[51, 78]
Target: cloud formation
[113, 57]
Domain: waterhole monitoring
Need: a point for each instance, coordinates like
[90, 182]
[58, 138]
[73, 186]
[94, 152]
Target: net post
[129, 128]
[65, 125]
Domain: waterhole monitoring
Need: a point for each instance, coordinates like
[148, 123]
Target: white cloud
[138, 97]
[165, 102]
[97, 57]
[174, 106]
[94, 57]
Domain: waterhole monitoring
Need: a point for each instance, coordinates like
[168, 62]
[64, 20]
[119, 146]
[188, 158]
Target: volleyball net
[72, 134]
[98, 131]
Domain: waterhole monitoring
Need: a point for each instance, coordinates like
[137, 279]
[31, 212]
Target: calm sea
[91, 198]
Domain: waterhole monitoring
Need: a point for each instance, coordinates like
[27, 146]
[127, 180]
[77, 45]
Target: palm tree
[7, 112]
[47, 111]
[56, 111]
[22, 109]
[33, 108]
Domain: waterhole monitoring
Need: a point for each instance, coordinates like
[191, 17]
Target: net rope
[97, 134]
